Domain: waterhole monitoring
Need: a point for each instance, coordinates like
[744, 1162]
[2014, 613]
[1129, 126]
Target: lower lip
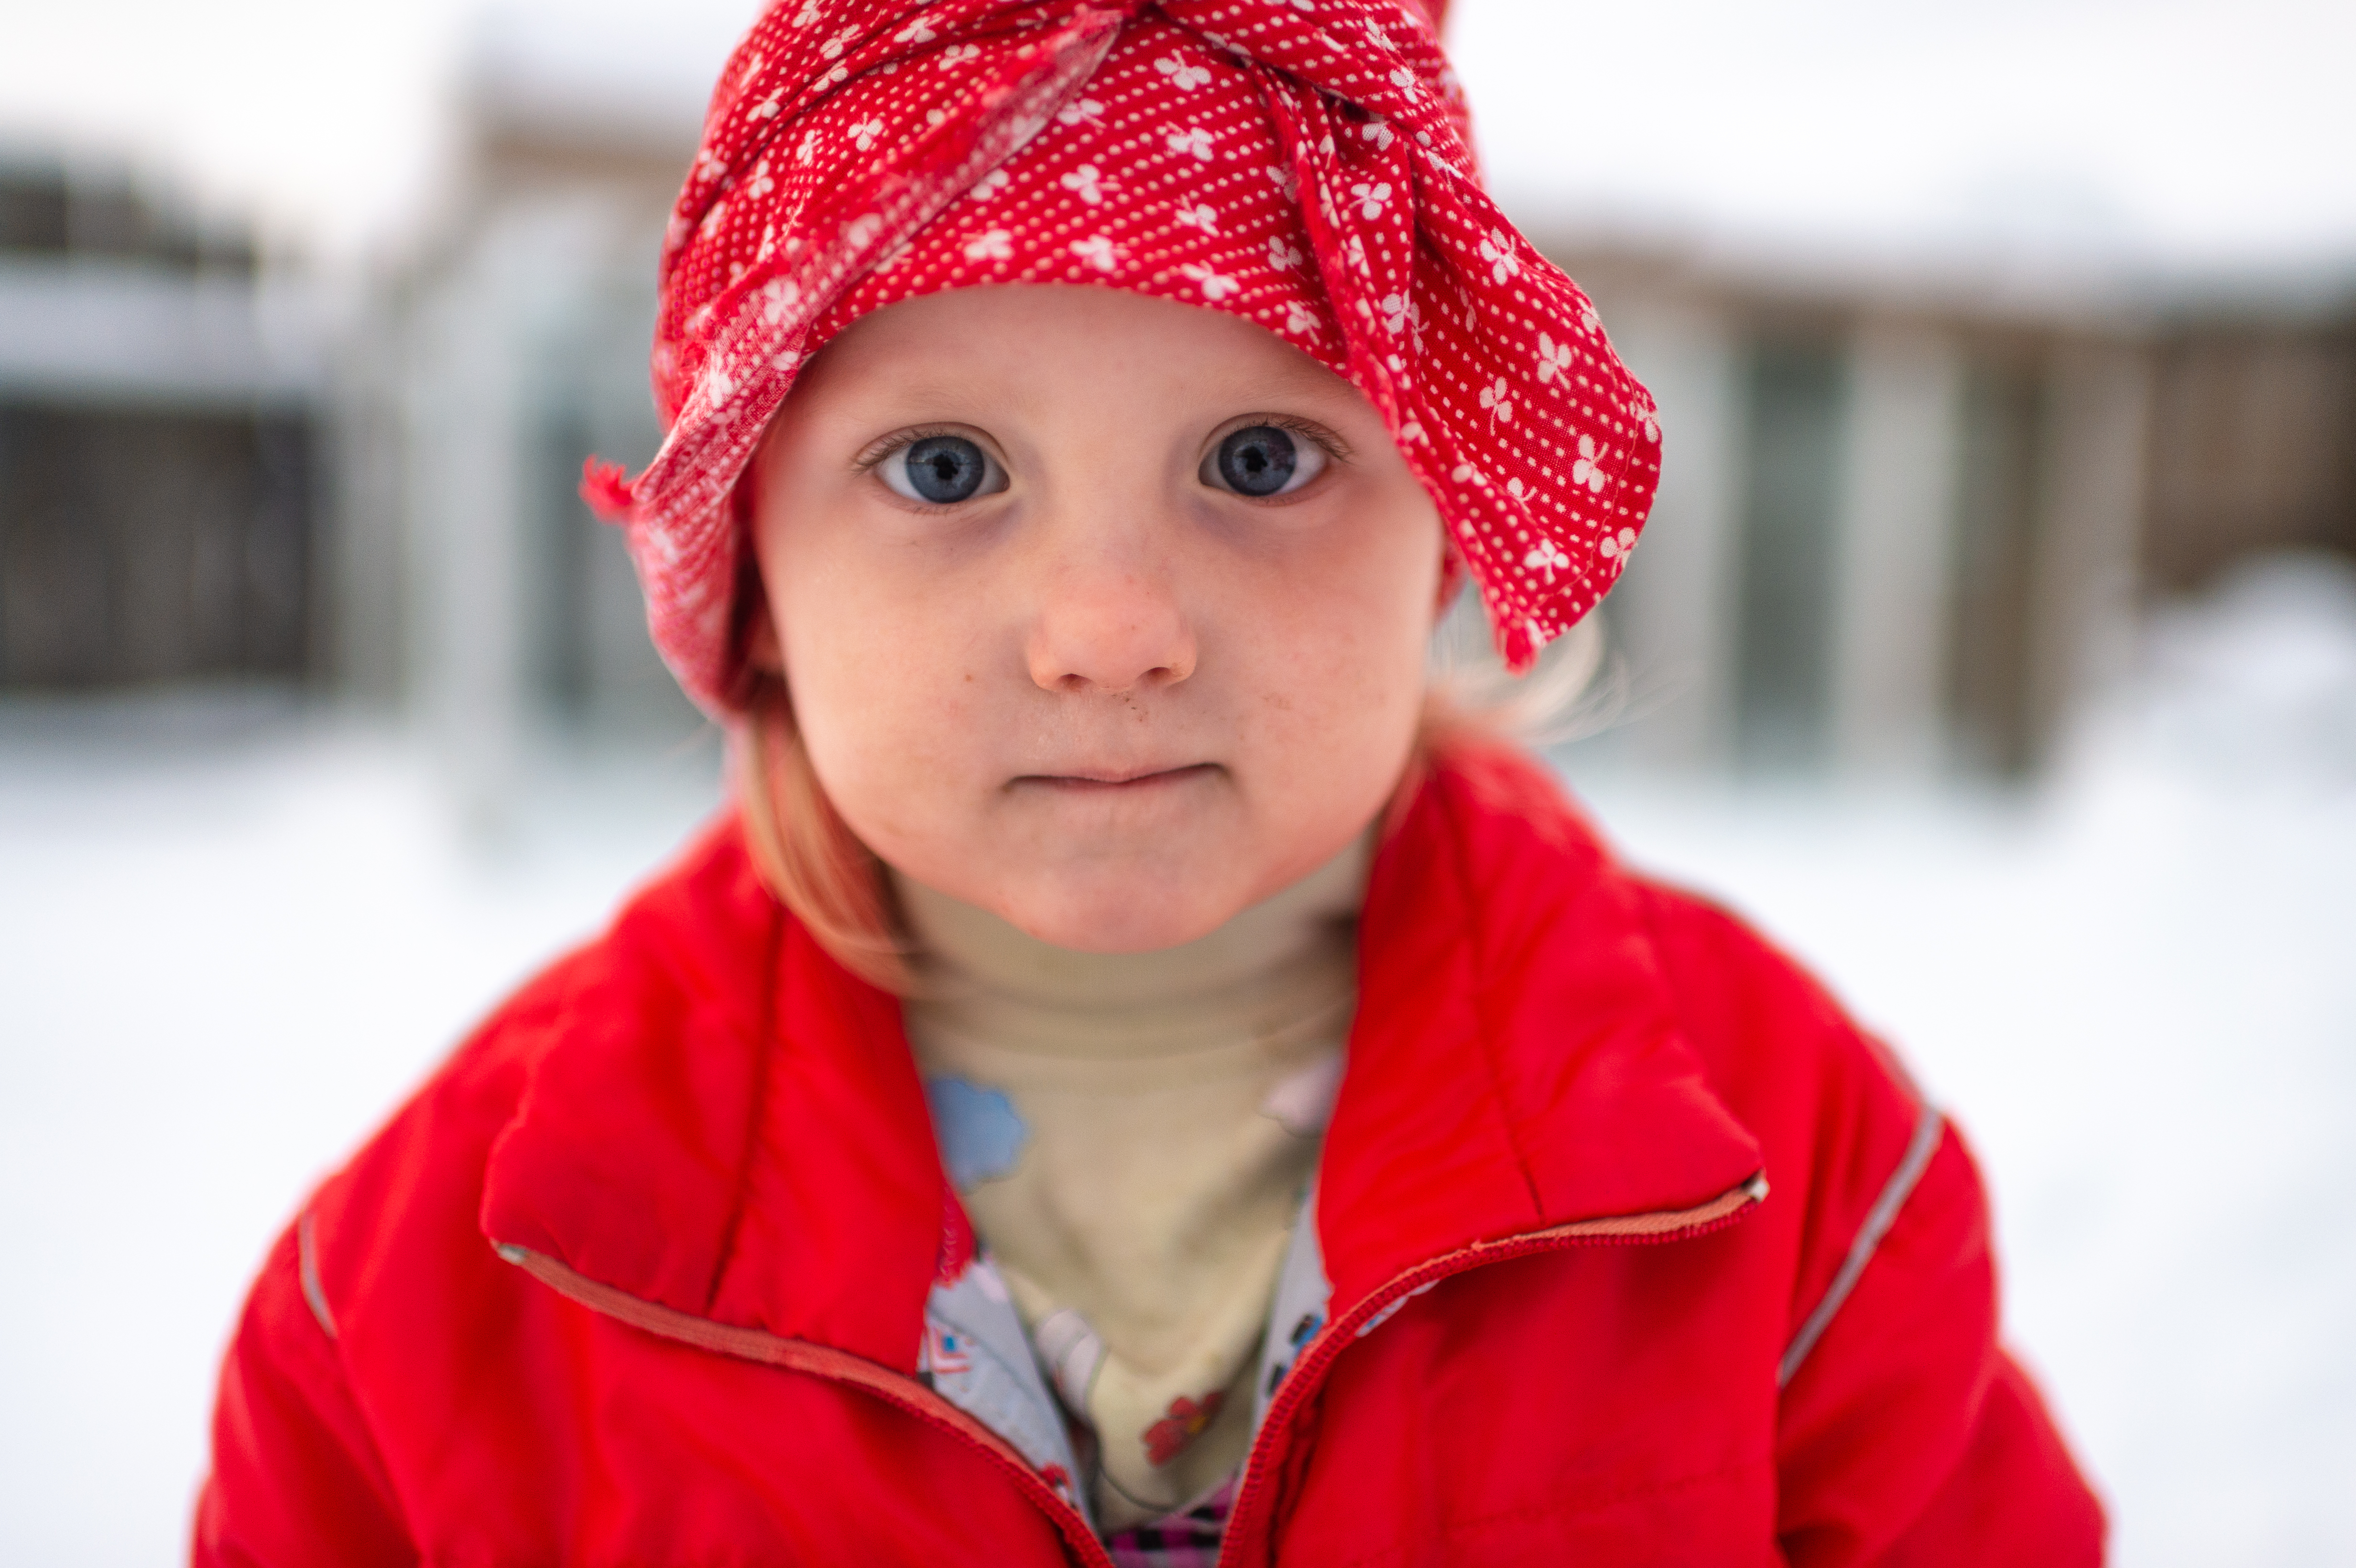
[1140, 784]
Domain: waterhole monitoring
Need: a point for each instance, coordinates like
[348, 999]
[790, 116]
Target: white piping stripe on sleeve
[1878, 1222]
[306, 1259]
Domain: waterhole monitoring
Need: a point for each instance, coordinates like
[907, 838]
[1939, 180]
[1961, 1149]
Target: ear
[764, 653]
[1452, 582]
[756, 632]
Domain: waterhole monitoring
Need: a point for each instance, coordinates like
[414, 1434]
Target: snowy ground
[230, 932]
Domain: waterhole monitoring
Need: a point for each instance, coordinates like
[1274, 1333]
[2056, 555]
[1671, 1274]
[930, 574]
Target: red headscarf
[1302, 164]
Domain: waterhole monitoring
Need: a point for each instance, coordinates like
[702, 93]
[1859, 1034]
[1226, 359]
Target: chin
[1101, 913]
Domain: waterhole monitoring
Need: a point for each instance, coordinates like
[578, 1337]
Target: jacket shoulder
[1751, 1006]
[384, 1306]
[1767, 1029]
[1837, 1114]
[695, 930]
[1898, 1408]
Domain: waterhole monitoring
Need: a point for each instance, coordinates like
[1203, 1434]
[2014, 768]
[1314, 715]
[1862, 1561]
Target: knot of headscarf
[1304, 164]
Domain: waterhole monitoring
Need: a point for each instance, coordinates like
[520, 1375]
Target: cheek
[880, 676]
[1342, 686]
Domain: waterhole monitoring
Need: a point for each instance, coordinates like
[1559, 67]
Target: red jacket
[1640, 1252]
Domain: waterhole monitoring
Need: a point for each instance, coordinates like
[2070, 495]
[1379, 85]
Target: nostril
[1111, 640]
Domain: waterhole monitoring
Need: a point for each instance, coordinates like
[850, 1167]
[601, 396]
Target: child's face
[1103, 612]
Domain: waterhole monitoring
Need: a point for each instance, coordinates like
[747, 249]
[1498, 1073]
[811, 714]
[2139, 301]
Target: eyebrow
[1299, 369]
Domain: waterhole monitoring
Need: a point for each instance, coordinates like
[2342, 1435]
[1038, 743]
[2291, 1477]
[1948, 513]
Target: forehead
[1024, 342]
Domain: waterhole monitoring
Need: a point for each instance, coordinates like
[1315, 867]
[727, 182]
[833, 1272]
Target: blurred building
[1897, 519]
[509, 347]
[2253, 436]
[159, 412]
[1910, 516]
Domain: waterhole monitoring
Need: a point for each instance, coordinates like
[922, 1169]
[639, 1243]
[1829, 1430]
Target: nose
[1110, 626]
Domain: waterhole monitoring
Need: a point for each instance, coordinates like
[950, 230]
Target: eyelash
[1335, 448]
[1333, 445]
[881, 452]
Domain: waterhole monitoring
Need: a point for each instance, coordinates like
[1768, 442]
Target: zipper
[1379, 1305]
[897, 1388]
[818, 1361]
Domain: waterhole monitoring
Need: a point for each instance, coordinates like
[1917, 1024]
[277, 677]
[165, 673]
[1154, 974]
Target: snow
[233, 930]
[230, 935]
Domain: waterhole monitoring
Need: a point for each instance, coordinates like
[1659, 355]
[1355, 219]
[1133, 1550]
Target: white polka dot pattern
[1301, 163]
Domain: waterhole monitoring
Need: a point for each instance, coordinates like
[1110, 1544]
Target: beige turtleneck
[1132, 1135]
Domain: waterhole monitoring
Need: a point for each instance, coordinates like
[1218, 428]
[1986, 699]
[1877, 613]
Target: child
[1137, 1078]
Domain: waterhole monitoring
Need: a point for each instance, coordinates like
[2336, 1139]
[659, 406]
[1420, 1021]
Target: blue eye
[939, 470]
[1261, 460]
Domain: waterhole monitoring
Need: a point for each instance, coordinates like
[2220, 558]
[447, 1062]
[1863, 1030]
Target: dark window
[139, 547]
[1797, 403]
[33, 211]
[1997, 529]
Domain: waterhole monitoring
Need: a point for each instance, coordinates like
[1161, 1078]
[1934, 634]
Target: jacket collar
[1516, 1064]
[720, 1120]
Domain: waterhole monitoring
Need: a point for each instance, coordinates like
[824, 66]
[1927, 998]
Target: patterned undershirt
[1189, 1540]
[1132, 1136]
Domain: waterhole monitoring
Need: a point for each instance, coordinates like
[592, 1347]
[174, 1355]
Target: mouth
[1114, 782]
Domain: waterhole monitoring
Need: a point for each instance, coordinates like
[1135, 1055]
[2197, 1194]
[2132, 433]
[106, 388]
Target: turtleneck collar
[1288, 954]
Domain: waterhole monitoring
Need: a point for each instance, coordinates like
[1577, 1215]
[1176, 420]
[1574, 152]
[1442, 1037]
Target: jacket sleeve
[2014, 1496]
[1906, 1436]
[295, 1479]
